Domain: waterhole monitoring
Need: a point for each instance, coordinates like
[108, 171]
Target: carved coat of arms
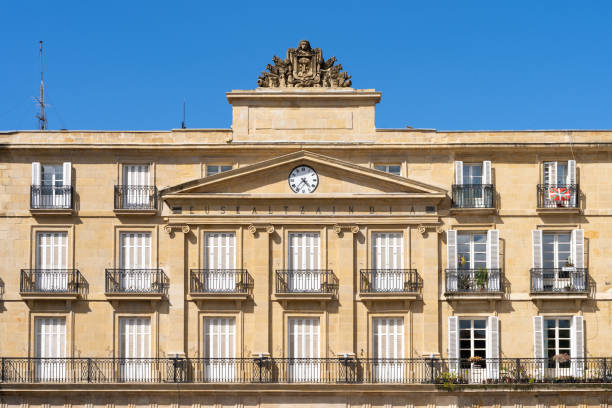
[303, 67]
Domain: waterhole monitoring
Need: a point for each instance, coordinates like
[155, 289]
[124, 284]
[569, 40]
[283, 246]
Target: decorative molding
[422, 228]
[253, 228]
[339, 227]
[168, 229]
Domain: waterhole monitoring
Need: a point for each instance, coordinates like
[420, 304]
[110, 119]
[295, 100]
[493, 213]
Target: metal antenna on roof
[42, 119]
[183, 122]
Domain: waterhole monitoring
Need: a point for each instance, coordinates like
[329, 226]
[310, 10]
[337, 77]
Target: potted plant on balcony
[481, 277]
[569, 266]
[476, 361]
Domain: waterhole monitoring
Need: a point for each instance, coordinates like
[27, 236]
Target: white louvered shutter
[219, 348]
[304, 255]
[550, 174]
[304, 349]
[135, 261]
[51, 261]
[486, 172]
[537, 276]
[493, 260]
[459, 172]
[492, 347]
[388, 348]
[571, 172]
[135, 178]
[578, 278]
[451, 260]
[387, 261]
[50, 348]
[135, 348]
[453, 344]
[220, 261]
[538, 346]
[36, 174]
[67, 173]
[577, 346]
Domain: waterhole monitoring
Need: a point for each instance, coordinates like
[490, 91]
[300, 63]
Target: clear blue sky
[456, 65]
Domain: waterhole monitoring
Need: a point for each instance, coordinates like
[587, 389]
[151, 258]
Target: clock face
[303, 180]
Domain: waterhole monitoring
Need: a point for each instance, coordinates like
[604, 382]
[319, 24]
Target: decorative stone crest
[304, 67]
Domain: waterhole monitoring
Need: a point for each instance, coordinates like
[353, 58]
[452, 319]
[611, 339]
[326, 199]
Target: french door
[387, 262]
[135, 262]
[51, 261]
[556, 252]
[220, 261]
[473, 348]
[135, 348]
[304, 260]
[52, 177]
[136, 177]
[219, 349]
[388, 349]
[304, 349]
[50, 348]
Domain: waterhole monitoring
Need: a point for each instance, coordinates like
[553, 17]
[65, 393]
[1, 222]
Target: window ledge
[558, 295]
[218, 296]
[559, 210]
[134, 296]
[51, 211]
[473, 295]
[304, 296]
[137, 211]
[50, 296]
[472, 211]
[370, 296]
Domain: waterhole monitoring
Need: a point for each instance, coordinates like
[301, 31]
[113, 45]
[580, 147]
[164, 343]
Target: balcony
[560, 198]
[472, 198]
[231, 284]
[140, 200]
[480, 283]
[136, 284]
[317, 284]
[389, 284]
[555, 283]
[52, 284]
[351, 370]
[51, 199]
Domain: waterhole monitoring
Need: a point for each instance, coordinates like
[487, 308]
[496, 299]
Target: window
[220, 261]
[472, 339]
[304, 258]
[556, 249]
[51, 261]
[387, 261]
[219, 348]
[135, 348]
[472, 173]
[473, 344]
[135, 261]
[559, 173]
[558, 261]
[471, 250]
[558, 341]
[395, 169]
[136, 175]
[559, 345]
[50, 348]
[304, 348]
[388, 348]
[212, 169]
[51, 185]
[135, 190]
[473, 261]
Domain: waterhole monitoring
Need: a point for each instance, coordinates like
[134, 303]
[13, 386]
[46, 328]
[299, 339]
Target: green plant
[482, 276]
[448, 381]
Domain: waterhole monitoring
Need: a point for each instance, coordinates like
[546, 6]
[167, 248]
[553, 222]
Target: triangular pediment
[336, 178]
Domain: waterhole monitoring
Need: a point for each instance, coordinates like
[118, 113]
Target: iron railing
[306, 281]
[340, 370]
[558, 196]
[137, 281]
[559, 280]
[52, 281]
[480, 280]
[473, 195]
[220, 281]
[135, 197]
[50, 197]
[389, 281]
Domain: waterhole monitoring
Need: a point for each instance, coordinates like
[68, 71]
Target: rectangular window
[472, 338]
[220, 261]
[135, 348]
[135, 261]
[52, 261]
[136, 175]
[212, 169]
[556, 173]
[388, 348]
[52, 175]
[304, 258]
[557, 337]
[50, 348]
[395, 169]
[471, 250]
[219, 348]
[472, 173]
[387, 261]
[304, 349]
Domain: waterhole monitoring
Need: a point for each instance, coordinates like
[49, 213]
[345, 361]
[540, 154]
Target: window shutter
[577, 346]
[486, 172]
[453, 343]
[571, 172]
[552, 174]
[493, 259]
[578, 248]
[451, 260]
[492, 347]
[67, 170]
[36, 174]
[537, 248]
[459, 172]
[538, 337]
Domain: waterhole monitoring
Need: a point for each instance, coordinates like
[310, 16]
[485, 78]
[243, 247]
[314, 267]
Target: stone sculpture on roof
[304, 67]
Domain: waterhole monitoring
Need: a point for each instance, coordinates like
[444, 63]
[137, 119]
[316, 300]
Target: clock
[303, 180]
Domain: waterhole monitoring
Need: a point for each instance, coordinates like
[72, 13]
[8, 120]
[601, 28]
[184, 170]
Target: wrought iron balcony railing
[51, 197]
[558, 196]
[389, 281]
[210, 281]
[135, 197]
[52, 281]
[307, 370]
[136, 281]
[473, 195]
[306, 281]
[559, 280]
[479, 280]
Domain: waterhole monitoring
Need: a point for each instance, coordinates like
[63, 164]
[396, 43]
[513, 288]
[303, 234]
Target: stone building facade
[305, 257]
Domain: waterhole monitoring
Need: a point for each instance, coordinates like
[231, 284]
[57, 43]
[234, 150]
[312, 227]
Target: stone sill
[123, 211]
[559, 210]
[304, 296]
[388, 296]
[51, 211]
[49, 296]
[558, 295]
[218, 296]
[453, 296]
[134, 296]
[472, 211]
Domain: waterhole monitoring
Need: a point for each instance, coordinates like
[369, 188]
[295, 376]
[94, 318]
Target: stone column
[343, 265]
[430, 274]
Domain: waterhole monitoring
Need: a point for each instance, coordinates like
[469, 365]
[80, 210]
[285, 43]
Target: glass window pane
[564, 323]
[226, 168]
[395, 170]
[212, 169]
[481, 344]
[380, 167]
[464, 324]
[480, 324]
